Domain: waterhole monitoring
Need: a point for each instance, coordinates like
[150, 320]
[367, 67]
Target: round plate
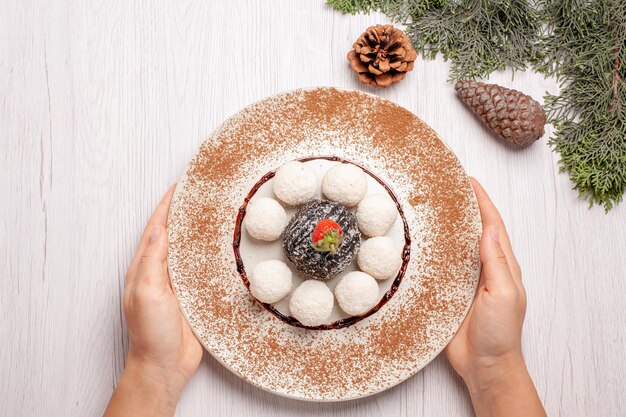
[373, 354]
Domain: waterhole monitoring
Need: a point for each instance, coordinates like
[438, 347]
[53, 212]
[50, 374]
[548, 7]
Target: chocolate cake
[297, 239]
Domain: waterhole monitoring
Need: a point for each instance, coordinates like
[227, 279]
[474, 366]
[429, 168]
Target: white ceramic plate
[377, 352]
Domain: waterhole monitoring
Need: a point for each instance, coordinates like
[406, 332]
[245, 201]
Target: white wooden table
[103, 103]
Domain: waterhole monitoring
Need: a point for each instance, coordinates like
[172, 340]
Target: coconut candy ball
[270, 281]
[379, 257]
[345, 184]
[312, 303]
[376, 214]
[265, 219]
[295, 183]
[357, 293]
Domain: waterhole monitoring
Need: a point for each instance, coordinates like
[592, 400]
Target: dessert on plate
[333, 234]
[240, 308]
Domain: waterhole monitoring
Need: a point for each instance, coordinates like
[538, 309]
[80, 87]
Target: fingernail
[495, 233]
[154, 235]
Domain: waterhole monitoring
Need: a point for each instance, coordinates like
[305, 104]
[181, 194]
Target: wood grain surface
[103, 103]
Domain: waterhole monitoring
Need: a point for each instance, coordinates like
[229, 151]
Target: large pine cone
[382, 56]
[514, 116]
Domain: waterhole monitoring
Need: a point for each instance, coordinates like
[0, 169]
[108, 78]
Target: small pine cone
[382, 56]
[514, 116]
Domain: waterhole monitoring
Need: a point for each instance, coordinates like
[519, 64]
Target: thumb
[495, 266]
[155, 253]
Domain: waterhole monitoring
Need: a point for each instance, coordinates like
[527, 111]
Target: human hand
[164, 352]
[486, 352]
[491, 333]
[160, 338]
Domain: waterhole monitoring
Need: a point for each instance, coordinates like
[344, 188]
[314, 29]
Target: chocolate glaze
[297, 239]
[339, 324]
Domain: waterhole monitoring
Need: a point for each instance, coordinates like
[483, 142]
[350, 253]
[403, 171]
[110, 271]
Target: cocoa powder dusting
[379, 351]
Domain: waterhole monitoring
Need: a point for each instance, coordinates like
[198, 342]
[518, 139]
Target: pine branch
[355, 6]
[478, 36]
[581, 42]
[399, 11]
[584, 46]
[616, 81]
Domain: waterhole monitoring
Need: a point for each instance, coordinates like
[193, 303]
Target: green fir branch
[356, 6]
[478, 36]
[584, 45]
[581, 42]
[398, 11]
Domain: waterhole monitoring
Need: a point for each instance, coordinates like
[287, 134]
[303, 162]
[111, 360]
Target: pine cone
[514, 116]
[382, 56]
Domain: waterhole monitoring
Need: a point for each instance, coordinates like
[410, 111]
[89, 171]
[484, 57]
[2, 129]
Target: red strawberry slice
[327, 236]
